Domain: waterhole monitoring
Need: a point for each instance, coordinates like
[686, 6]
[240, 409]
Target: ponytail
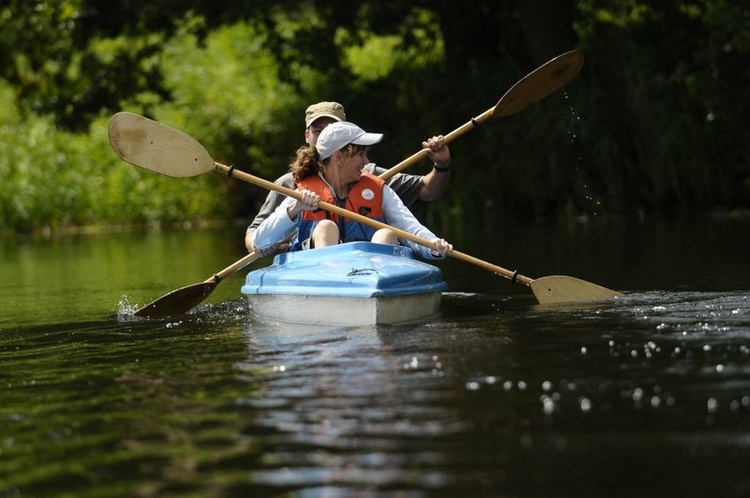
[306, 163]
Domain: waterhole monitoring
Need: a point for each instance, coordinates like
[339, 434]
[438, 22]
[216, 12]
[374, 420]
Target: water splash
[125, 308]
[593, 204]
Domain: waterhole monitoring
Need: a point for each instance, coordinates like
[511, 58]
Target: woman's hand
[441, 248]
[309, 202]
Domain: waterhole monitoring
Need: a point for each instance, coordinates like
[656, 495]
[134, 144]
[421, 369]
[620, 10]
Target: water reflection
[95, 276]
[332, 411]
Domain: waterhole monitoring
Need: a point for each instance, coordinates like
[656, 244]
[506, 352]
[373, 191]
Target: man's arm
[434, 184]
[436, 181]
[413, 189]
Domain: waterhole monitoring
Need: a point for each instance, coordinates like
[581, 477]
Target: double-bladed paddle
[541, 82]
[159, 148]
[536, 85]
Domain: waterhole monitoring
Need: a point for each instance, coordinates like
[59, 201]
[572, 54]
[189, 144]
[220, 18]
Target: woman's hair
[307, 161]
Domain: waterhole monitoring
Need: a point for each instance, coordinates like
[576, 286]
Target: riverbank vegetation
[655, 123]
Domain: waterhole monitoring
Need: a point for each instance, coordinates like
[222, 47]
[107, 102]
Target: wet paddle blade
[178, 301]
[563, 289]
[157, 147]
[541, 82]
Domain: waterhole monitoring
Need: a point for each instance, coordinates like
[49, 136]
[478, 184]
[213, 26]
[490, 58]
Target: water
[645, 396]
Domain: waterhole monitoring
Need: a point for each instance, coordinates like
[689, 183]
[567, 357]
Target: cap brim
[322, 115]
[368, 139]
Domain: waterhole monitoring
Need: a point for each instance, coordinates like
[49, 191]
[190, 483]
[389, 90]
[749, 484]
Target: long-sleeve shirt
[278, 225]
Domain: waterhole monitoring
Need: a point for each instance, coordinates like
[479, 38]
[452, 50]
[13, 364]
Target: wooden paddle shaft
[240, 264]
[231, 172]
[512, 275]
[234, 267]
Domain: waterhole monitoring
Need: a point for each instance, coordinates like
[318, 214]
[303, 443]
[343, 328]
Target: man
[412, 189]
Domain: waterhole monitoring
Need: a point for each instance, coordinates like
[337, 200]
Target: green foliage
[56, 179]
[50, 53]
[226, 92]
[655, 121]
[371, 57]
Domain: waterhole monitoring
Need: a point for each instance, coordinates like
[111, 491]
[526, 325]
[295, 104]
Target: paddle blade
[157, 147]
[539, 83]
[178, 301]
[562, 289]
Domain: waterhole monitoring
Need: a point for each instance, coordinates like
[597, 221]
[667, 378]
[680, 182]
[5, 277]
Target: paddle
[185, 298]
[532, 88]
[159, 148]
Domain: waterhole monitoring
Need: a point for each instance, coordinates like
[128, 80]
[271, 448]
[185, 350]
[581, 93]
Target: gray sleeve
[407, 187]
[273, 200]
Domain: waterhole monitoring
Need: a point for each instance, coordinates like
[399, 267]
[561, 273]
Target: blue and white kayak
[356, 283]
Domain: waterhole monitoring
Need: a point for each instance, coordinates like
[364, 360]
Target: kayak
[349, 284]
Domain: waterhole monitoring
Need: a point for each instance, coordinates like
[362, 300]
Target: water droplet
[585, 404]
[712, 405]
[548, 405]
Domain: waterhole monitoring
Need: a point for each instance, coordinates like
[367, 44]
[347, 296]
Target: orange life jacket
[365, 198]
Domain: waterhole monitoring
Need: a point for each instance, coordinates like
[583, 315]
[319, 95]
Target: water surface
[645, 396]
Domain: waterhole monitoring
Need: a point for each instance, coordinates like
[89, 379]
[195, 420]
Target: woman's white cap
[336, 136]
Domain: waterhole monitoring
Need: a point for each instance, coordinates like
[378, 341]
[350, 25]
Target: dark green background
[654, 124]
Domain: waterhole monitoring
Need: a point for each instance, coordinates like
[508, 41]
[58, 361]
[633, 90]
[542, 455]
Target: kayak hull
[356, 283]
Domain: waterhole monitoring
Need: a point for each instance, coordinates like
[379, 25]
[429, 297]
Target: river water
[648, 395]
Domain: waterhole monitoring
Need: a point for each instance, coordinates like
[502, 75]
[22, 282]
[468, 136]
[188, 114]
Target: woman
[332, 172]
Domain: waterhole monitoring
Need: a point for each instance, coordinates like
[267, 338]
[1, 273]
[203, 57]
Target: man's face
[313, 131]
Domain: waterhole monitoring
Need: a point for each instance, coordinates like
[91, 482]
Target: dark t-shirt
[407, 187]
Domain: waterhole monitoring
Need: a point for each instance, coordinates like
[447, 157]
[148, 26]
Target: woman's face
[352, 163]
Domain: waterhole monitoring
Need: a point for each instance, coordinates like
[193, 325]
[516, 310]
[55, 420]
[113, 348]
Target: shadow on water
[648, 395]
